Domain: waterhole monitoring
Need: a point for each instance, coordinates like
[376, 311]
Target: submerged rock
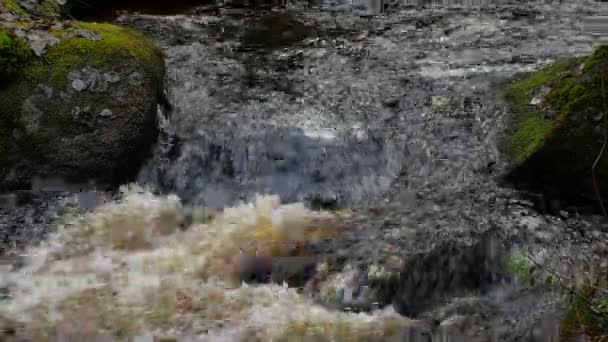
[449, 270]
[550, 138]
[42, 134]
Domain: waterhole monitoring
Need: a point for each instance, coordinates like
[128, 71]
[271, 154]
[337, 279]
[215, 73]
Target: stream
[393, 120]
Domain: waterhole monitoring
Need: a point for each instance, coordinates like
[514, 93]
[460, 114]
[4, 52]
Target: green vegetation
[520, 266]
[14, 53]
[120, 50]
[555, 132]
[48, 9]
[529, 128]
[12, 6]
[119, 45]
[587, 313]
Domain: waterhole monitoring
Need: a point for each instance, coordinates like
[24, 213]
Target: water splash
[128, 269]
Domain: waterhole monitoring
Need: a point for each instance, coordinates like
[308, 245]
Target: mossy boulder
[556, 129]
[29, 9]
[86, 109]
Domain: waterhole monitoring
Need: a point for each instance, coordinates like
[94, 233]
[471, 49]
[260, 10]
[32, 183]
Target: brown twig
[560, 279]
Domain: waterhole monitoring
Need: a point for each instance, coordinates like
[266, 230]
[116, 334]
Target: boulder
[35, 8]
[556, 128]
[81, 104]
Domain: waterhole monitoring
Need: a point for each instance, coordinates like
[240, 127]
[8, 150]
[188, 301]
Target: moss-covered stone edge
[119, 45]
[46, 9]
[14, 54]
[527, 128]
[555, 127]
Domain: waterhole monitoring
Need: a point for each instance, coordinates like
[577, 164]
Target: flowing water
[387, 124]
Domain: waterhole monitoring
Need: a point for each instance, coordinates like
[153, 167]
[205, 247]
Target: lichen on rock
[555, 131]
[54, 112]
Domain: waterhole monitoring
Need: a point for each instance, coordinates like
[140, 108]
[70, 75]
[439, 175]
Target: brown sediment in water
[87, 279]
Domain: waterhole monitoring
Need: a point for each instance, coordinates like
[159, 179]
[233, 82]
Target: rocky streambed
[392, 123]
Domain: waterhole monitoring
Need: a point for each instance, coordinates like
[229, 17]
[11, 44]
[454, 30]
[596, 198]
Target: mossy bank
[556, 129]
[78, 101]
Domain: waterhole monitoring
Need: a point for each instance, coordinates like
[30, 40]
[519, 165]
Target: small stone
[40, 40]
[106, 112]
[98, 83]
[111, 77]
[394, 263]
[440, 103]
[20, 33]
[536, 101]
[74, 75]
[88, 35]
[136, 79]
[79, 85]
[8, 16]
[598, 117]
[46, 90]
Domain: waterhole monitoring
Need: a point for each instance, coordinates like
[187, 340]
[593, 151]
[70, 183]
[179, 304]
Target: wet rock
[62, 139]
[84, 34]
[79, 85]
[551, 158]
[40, 40]
[111, 77]
[8, 16]
[449, 269]
[106, 112]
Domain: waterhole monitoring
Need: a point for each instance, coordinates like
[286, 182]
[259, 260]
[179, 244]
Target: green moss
[12, 6]
[14, 53]
[48, 9]
[119, 48]
[118, 43]
[529, 128]
[520, 266]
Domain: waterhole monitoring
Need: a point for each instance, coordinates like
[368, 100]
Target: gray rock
[98, 83]
[20, 33]
[40, 40]
[106, 112]
[74, 75]
[79, 85]
[84, 34]
[7, 16]
[450, 269]
[46, 90]
[111, 77]
[136, 78]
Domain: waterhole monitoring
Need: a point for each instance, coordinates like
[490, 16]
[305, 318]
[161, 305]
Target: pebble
[79, 85]
[106, 112]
